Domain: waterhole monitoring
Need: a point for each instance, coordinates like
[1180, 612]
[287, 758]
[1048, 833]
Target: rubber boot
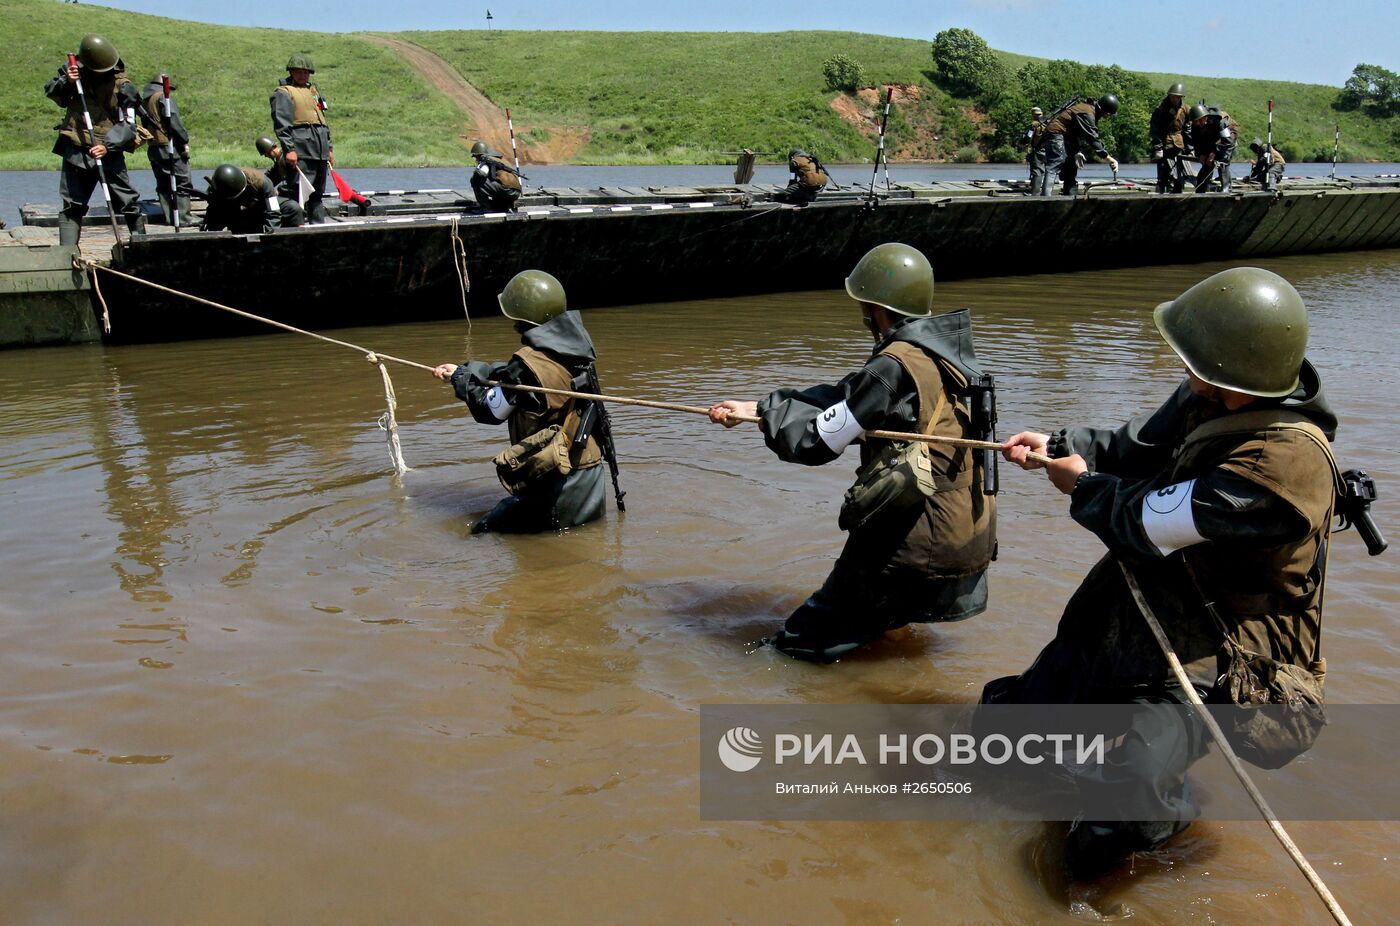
[1224, 178]
[136, 224]
[69, 229]
[166, 207]
[183, 204]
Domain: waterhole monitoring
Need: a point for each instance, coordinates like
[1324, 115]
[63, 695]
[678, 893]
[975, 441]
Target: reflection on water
[246, 671]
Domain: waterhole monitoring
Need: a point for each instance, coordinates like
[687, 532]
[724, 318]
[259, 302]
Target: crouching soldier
[808, 179]
[245, 202]
[1268, 164]
[553, 470]
[920, 516]
[496, 185]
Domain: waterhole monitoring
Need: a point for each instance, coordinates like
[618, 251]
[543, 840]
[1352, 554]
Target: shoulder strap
[1268, 419]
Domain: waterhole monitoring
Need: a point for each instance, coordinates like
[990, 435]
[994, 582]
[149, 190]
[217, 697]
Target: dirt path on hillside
[485, 120]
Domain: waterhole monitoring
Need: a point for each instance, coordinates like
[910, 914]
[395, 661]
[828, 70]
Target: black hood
[1309, 399]
[948, 335]
[565, 337]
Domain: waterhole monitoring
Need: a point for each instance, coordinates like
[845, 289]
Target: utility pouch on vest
[1277, 707]
[534, 459]
[143, 135]
[896, 481]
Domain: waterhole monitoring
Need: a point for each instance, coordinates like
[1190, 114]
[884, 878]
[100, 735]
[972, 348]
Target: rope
[598, 397]
[459, 263]
[1218, 735]
[106, 316]
[387, 422]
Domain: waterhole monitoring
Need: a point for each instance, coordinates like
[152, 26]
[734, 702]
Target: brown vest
[1271, 595]
[1060, 123]
[809, 175]
[505, 176]
[304, 108]
[1170, 124]
[959, 521]
[155, 108]
[104, 105]
[559, 410]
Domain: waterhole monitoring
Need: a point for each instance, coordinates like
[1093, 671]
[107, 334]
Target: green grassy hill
[622, 97]
[381, 112]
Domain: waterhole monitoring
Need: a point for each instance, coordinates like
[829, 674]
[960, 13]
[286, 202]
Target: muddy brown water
[247, 676]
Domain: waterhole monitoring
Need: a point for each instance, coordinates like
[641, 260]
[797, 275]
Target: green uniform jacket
[1240, 519]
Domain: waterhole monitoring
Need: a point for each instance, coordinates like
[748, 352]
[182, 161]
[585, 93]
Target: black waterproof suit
[1254, 544]
[932, 566]
[560, 501]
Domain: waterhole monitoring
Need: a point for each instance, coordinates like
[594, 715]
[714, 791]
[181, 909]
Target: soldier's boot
[1224, 178]
[69, 229]
[183, 204]
[136, 224]
[167, 207]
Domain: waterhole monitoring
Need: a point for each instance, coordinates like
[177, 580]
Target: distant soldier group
[1204, 134]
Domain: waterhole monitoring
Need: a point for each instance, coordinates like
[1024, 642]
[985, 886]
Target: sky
[1313, 42]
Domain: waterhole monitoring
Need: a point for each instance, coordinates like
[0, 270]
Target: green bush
[842, 73]
[1005, 155]
[966, 65]
[967, 154]
[1290, 151]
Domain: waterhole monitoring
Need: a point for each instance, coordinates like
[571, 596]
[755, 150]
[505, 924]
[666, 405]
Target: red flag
[347, 193]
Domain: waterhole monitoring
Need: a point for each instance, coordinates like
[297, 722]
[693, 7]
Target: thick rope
[1218, 735]
[106, 315]
[616, 400]
[459, 263]
[387, 422]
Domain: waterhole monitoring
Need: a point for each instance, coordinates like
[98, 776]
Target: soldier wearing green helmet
[553, 470]
[910, 557]
[114, 103]
[280, 173]
[1223, 495]
[495, 184]
[1167, 130]
[299, 123]
[1214, 138]
[244, 201]
[1071, 130]
[808, 179]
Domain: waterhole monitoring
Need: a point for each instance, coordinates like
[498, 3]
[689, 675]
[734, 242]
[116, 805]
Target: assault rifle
[595, 417]
[1354, 510]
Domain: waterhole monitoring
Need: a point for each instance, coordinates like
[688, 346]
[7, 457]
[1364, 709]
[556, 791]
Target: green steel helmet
[533, 296]
[797, 152]
[1177, 89]
[895, 276]
[1108, 104]
[228, 182]
[482, 150]
[265, 144]
[1257, 145]
[1196, 112]
[97, 54]
[301, 61]
[1244, 329]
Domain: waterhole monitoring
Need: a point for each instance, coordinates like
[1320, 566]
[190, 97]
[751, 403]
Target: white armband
[501, 406]
[483, 169]
[1168, 520]
[837, 427]
[272, 203]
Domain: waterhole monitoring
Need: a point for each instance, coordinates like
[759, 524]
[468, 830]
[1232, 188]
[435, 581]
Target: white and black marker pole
[170, 149]
[92, 137]
[1336, 146]
[880, 148]
[514, 152]
[1269, 151]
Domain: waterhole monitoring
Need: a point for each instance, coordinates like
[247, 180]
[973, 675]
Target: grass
[381, 114]
[644, 98]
